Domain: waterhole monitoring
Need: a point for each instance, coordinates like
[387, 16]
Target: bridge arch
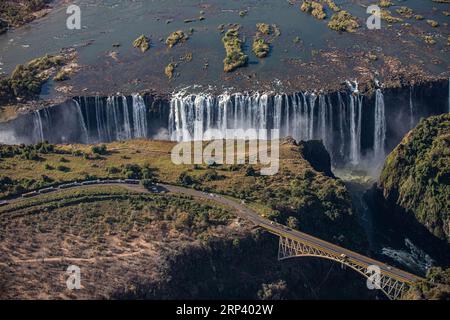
[289, 249]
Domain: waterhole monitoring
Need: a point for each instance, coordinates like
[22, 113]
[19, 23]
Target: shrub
[100, 150]
[142, 43]
[132, 171]
[175, 38]
[211, 175]
[235, 58]
[260, 47]
[185, 179]
[343, 21]
[63, 168]
[113, 170]
[170, 68]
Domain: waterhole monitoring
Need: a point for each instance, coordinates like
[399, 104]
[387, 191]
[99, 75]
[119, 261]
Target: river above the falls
[320, 58]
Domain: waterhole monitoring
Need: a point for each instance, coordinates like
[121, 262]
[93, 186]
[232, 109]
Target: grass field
[111, 232]
[316, 202]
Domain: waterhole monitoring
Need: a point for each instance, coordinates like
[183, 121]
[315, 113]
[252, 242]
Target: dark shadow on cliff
[248, 269]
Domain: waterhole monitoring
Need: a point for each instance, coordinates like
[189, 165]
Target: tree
[273, 291]
[292, 222]
[185, 179]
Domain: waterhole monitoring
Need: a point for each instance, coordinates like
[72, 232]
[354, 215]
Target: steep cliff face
[315, 153]
[416, 175]
[246, 268]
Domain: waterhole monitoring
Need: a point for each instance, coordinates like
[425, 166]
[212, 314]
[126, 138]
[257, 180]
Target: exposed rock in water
[416, 175]
[143, 43]
[3, 26]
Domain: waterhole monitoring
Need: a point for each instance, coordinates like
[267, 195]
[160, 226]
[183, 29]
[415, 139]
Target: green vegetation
[320, 203]
[169, 70]
[343, 21]
[333, 5]
[142, 43]
[105, 211]
[314, 8]
[387, 16]
[405, 12]
[20, 12]
[235, 58]
[175, 38]
[433, 23]
[435, 287]
[385, 3]
[62, 75]
[416, 175]
[429, 40]
[100, 150]
[260, 47]
[26, 80]
[264, 28]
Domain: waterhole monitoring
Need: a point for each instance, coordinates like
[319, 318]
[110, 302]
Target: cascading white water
[354, 156]
[81, 121]
[359, 127]
[128, 134]
[287, 112]
[139, 117]
[99, 110]
[342, 112]
[380, 125]
[38, 127]
[294, 115]
[312, 103]
[277, 111]
[323, 118]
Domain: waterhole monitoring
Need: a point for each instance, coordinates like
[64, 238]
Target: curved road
[272, 227]
[281, 230]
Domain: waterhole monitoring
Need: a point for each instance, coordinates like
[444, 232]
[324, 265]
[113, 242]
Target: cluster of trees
[26, 80]
[26, 152]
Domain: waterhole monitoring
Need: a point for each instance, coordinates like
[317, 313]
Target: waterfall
[294, 115]
[323, 119]
[126, 119]
[277, 111]
[354, 158]
[312, 103]
[99, 111]
[359, 127]
[81, 121]
[139, 117]
[380, 126]
[287, 113]
[38, 127]
[342, 112]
